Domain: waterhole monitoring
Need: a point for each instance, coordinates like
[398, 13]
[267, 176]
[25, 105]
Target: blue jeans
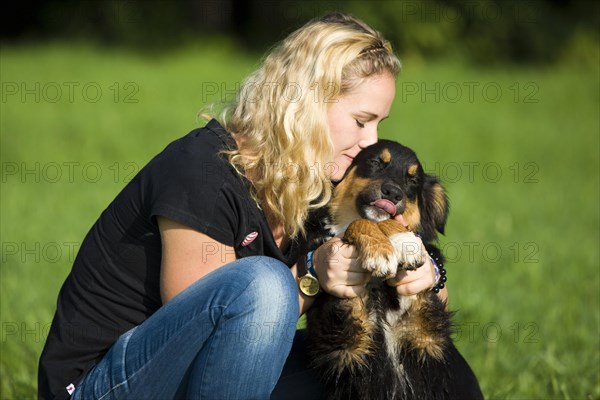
[227, 336]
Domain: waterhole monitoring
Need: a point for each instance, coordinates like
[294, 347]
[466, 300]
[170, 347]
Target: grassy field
[518, 149]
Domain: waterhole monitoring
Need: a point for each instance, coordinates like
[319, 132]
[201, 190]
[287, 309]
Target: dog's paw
[409, 250]
[376, 253]
[381, 260]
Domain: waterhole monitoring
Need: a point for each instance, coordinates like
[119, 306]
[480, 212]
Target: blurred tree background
[482, 31]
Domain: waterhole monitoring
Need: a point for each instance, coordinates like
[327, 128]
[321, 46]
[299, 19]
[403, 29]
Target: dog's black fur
[380, 345]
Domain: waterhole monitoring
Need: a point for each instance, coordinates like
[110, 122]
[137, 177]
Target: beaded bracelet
[440, 274]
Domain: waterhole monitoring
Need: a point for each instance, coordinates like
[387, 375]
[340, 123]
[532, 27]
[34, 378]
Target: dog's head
[386, 180]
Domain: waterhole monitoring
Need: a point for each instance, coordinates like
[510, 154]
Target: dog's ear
[435, 207]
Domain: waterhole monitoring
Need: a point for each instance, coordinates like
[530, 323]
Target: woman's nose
[369, 137]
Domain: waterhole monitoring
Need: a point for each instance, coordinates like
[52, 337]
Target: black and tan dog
[381, 345]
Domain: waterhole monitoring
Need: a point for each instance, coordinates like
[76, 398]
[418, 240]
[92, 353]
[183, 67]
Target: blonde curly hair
[279, 117]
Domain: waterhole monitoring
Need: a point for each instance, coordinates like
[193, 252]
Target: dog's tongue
[385, 205]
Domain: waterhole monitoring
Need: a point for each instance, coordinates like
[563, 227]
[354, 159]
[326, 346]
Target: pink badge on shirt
[70, 388]
[249, 238]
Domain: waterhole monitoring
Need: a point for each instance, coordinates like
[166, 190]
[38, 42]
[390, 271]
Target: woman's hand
[337, 269]
[408, 283]
[341, 275]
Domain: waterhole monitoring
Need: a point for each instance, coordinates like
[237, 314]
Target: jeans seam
[222, 316]
[123, 363]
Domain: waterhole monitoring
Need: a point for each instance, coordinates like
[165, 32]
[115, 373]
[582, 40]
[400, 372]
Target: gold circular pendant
[309, 285]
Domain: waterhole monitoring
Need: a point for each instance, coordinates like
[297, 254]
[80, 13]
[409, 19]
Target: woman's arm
[187, 255]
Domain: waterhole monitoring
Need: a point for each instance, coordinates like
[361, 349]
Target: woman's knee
[258, 289]
[264, 308]
[271, 290]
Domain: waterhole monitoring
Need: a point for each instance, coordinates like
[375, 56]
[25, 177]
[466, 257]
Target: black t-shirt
[114, 283]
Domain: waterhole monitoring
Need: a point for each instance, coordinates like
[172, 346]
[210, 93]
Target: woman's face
[353, 119]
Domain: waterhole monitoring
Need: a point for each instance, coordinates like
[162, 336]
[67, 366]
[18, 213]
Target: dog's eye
[376, 163]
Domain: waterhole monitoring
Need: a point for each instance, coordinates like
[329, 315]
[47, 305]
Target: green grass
[521, 169]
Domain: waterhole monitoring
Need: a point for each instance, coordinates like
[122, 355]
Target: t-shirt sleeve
[190, 184]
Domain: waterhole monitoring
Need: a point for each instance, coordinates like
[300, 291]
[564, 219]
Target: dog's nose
[391, 191]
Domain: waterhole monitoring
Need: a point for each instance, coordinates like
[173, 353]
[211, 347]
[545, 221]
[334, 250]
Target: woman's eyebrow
[371, 116]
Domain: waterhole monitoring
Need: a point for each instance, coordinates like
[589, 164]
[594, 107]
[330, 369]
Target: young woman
[186, 285]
